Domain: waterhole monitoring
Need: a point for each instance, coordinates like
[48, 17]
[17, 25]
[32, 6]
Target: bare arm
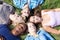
[51, 30]
[46, 20]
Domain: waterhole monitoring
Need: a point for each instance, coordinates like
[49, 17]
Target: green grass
[48, 4]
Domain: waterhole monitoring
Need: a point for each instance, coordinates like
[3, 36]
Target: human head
[35, 19]
[19, 29]
[31, 27]
[16, 18]
[25, 11]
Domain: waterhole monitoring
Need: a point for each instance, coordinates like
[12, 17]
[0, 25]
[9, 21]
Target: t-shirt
[5, 11]
[51, 18]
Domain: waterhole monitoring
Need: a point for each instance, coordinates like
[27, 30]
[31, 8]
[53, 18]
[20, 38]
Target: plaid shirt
[32, 3]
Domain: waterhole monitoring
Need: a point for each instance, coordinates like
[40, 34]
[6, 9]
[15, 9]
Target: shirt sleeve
[19, 3]
[40, 1]
[34, 3]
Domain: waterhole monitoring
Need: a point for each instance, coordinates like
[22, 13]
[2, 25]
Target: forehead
[30, 24]
[34, 17]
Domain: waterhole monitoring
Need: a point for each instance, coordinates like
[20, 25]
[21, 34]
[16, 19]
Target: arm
[48, 22]
[51, 30]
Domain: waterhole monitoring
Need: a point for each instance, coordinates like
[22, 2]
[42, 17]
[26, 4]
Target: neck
[34, 34]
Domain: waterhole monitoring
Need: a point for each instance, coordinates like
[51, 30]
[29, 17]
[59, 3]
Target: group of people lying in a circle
[47, 18]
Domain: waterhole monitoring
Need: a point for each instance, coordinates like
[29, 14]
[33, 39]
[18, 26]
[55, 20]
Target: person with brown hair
[36, 18]
[50, 19]
[34, 34]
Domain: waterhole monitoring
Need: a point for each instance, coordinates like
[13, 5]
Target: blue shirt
[42, 35]
[4, 31]
[32, 3]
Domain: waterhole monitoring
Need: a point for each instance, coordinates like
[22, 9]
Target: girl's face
[35, 19]
[25, 11]
[16, 18]
[31, 27]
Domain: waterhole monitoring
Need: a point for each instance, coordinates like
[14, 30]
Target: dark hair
[1, 2]
[37, 12]
[2, 37]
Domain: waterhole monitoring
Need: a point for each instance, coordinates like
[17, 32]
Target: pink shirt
[54, 18]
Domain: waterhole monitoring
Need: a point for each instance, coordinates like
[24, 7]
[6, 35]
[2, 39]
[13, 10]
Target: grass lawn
[48, 4]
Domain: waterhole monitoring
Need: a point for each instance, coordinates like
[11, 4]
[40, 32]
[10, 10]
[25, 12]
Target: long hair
[37, 12]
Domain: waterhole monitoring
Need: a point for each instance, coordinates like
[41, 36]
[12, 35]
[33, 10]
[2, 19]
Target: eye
[17, 15]
[33, 17]
[37, 19]
[24, 12]
[33, 25]
[22, 28]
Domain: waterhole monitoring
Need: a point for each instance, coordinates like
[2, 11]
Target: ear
[11, 17]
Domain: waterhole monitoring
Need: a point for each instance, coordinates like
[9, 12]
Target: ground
[48, 4]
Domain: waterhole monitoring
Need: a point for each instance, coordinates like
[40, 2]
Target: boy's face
[31, 27]
[19, 29]
[35, 19]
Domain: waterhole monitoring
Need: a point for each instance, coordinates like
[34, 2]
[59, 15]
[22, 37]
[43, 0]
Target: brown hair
[2, 38]
[37, 12]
